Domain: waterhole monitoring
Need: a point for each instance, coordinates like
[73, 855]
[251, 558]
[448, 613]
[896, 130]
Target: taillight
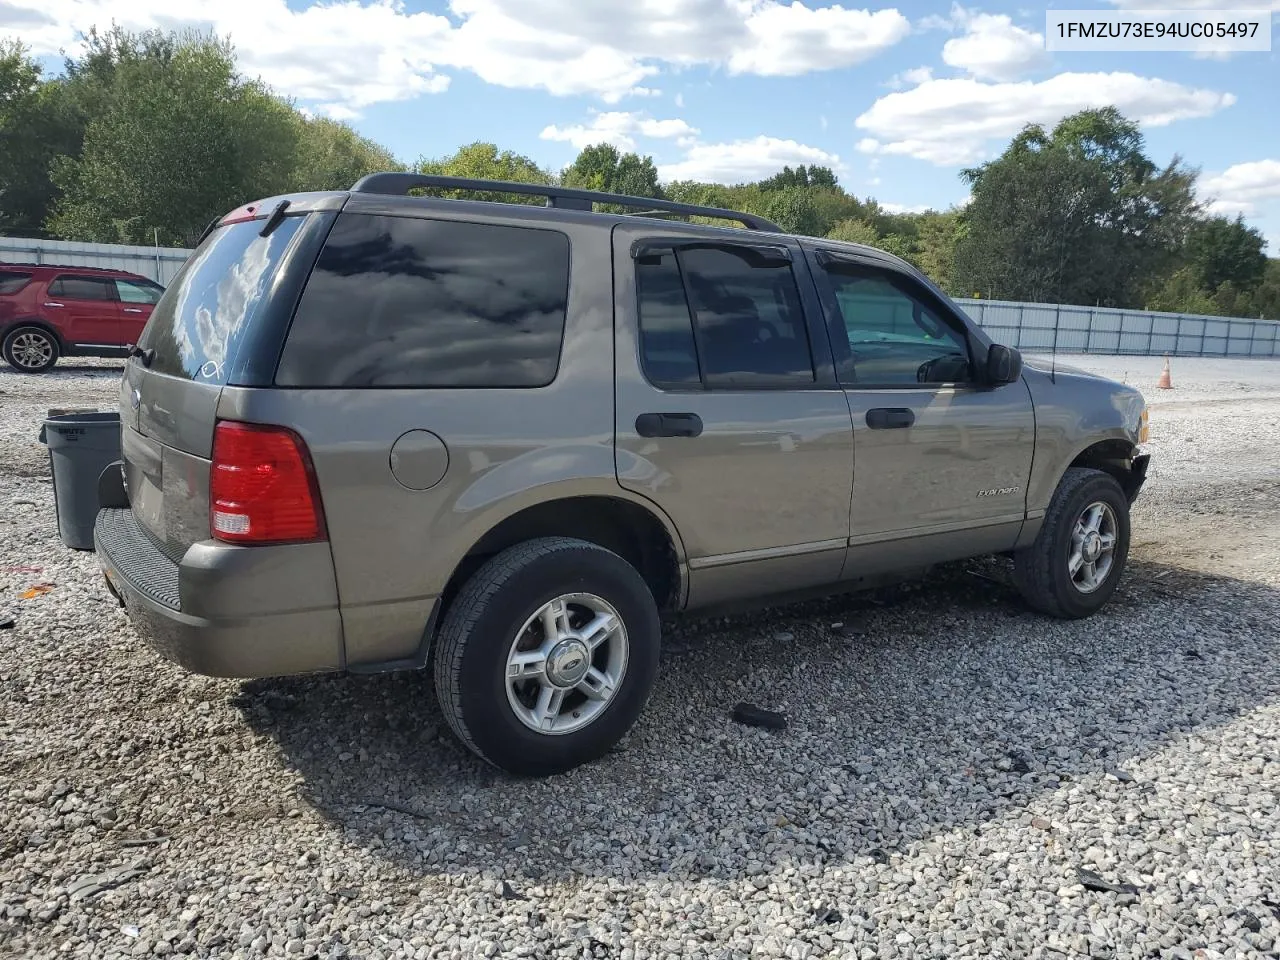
[262, 488]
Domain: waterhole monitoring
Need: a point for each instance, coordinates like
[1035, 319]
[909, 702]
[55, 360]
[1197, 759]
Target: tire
[1043, 572]
[498, 614]
[30, 349]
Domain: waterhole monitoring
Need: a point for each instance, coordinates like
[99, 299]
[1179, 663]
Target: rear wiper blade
[276, 218]
[213, 225]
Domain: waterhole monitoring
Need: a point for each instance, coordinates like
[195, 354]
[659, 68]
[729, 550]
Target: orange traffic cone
[1166, 382]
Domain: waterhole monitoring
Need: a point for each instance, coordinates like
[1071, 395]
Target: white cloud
[791, 40]
[1195, 5]
[951, 122]
[620, 129]
[744, 160]
[341, 56]
[905, 207]
[680, 101]
[1252, 189]
[350, 54]
[909, 78]
[994, 48]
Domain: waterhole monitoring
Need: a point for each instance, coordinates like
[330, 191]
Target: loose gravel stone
[950, 760]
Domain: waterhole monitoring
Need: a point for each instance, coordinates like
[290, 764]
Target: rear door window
[11, 281]
[722, 316]
[411, 302]
[200, 321]
[82, 288]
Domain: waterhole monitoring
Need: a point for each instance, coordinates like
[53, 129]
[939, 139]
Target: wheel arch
[11, 325]
[629, 527]
[1117, 456]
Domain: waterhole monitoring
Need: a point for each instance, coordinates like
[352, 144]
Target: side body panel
[395, 548]
[1074, 411]
[952, 484]
[941, 468]
[761, 497]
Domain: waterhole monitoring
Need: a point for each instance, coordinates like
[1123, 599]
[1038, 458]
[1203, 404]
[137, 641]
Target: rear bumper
[226, 611]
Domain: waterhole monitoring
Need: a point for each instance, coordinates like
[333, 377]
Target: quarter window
[893, 336]
[138, 292]
[721, 316]
[410, 302]
[12, 282]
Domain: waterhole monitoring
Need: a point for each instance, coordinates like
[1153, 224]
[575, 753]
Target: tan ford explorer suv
[371, 431]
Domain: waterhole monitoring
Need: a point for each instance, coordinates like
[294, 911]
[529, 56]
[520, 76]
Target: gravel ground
[953, 763]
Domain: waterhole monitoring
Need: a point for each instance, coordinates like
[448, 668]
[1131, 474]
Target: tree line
[145, 137]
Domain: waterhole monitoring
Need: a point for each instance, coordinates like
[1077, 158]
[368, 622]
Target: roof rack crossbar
[568, 198]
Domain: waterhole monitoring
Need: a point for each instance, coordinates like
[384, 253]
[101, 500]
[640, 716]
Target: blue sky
[896, 97]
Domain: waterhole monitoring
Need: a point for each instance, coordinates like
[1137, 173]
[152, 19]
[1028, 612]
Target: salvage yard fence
[157, 263]
[1031, 327]
[1048, 327]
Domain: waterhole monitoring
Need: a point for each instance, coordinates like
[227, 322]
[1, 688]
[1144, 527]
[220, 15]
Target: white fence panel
[156, 263]
[1036, 327]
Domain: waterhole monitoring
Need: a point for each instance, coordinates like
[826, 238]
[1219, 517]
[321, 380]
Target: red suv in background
[48, 312]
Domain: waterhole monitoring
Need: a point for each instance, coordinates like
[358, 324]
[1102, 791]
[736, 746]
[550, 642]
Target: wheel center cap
[569, 662]
[1092, 547]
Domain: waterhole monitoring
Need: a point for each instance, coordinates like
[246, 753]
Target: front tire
[547, 656]
[1075, 563]
[30, 349]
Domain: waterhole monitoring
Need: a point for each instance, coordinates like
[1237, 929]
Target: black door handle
[890, 418]
[669, 425]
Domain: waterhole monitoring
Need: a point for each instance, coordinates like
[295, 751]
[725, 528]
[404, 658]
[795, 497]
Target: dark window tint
[82, 288]
[403, 302]
[666, 330]
[138, 292]
[12, 282]
[894, 337]
[750, 325]
[200, 321]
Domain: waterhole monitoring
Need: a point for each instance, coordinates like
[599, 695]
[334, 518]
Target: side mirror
[1004, 364]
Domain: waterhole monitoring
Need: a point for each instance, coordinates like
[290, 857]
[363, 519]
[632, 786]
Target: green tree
[603, 167]
[793, 209]
[484, 161]
[332, 156]
[37, 124]
[854, 231]
[935, 247]
[801, 176]
[1079, 215]
[177, 138]
[1227, 251]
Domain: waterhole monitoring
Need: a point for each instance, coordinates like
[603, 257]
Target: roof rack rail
[566, 198]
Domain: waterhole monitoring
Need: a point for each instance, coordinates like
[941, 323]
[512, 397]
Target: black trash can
[81, 446]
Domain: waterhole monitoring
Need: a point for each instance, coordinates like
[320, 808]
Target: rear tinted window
[11, 281]
[403, 302]
[200, 321]
[82, 288]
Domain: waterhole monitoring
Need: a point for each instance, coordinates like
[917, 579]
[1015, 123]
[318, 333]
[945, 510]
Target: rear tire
[547, 656]
[1075, 563]
[30, 349]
